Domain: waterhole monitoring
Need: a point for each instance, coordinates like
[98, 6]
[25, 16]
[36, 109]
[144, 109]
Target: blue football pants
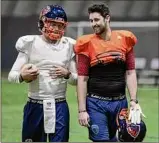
[103, 115]
[33, 123]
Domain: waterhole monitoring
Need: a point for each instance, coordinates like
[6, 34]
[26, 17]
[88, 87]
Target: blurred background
[20, 17]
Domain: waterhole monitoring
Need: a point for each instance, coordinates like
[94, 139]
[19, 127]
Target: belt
[41, 101]
[120, 97]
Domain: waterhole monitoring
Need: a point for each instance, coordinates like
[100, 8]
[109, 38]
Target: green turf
[14, 97]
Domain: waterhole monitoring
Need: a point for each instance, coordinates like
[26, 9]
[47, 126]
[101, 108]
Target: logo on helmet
[123, 114]
[46, 10]
[59, 19]
[133, 130]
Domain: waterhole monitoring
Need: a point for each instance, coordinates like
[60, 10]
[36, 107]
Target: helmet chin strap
[47, 39]
[53, 36]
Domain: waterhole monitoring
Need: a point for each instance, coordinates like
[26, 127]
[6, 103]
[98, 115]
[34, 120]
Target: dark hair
[100, 8]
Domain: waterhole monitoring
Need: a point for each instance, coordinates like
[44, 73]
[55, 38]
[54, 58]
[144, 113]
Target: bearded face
[97, 22]
[99, 29]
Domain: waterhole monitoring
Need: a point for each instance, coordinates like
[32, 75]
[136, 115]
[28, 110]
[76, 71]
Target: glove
[135, 114]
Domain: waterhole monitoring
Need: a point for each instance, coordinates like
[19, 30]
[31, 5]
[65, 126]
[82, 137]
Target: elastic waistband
[120, 97]
[41, 101]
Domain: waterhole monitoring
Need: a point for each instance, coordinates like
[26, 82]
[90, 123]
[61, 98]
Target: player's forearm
[73, 70]
[131, 83]
[82, 92]
[14, 76]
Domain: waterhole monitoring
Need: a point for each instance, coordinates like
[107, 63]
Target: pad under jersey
[35, 50]
[107, 61]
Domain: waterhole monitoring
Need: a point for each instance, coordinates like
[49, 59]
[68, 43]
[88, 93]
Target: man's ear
[107, 18]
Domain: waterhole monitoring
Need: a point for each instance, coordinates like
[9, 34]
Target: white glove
[135, 114]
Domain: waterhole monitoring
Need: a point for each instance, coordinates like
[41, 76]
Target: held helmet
[128, 132]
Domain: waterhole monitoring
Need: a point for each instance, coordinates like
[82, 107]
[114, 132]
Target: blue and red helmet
[52, 21]
[128, 132]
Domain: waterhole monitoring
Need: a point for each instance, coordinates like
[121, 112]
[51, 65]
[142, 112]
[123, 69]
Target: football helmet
[52, 21]
[127, 131]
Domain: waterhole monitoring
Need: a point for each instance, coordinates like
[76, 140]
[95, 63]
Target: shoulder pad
[70, 40]
[23, 43]
[81, 44]
[131, 39]
[84, 39]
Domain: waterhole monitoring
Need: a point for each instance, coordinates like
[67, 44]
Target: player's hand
[83, 119]
[59, 72]
[29, 72]
[136, 113]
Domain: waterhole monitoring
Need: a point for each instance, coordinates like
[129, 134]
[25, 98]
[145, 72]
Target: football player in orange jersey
[106, 65]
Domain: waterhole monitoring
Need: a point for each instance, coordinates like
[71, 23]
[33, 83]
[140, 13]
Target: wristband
[21, 78]
[67, 76]
[135, 100]
[82, 111]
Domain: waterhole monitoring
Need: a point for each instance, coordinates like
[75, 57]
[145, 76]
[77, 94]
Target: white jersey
[33, 49]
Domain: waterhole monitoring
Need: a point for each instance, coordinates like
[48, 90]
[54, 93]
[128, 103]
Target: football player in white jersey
[46, 62]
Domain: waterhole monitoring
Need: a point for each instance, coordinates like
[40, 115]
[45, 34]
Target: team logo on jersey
[95, 129]
[119, 37]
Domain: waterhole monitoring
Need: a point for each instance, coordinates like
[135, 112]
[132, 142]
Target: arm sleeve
[130, 60]
[73, 69]
[14, 74]
[22, 45]
[83, 64]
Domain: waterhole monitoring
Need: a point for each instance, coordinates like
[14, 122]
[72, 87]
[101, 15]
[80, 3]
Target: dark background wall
[20, 18]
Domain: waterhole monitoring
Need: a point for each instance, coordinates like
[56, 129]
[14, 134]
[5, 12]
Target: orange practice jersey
[99, 50]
